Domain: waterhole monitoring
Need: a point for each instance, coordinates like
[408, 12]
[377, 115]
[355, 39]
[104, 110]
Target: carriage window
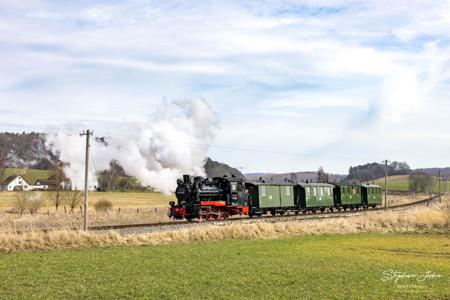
[314, 191]
[233, 187]
[240, 187]
[320, 191]
[288, 191]
[263, 191]
[308, 191]
[326, 191]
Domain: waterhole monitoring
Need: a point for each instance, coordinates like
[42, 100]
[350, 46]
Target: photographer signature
[396, 276]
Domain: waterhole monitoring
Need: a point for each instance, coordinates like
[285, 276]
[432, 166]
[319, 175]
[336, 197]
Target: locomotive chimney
[186, 179]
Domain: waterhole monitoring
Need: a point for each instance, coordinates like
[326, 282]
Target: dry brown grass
[49, 219]
[403, 199]
[422, 219]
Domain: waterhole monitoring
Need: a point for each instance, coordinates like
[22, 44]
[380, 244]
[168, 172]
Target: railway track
[125, 229]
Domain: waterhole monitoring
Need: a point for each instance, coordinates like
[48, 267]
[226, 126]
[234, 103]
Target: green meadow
[358, 266]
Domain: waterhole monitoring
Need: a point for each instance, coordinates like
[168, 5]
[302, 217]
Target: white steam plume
[173, 142]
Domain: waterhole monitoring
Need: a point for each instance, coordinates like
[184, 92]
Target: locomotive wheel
[272, 212]
[322, 209]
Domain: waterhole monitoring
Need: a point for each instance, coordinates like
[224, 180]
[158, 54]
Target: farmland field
[307, 267]
[401, 183]
[119, 199]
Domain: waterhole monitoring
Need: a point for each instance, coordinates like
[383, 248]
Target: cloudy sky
[295, 84]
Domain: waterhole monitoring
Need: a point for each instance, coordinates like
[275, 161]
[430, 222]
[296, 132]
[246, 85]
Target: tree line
[372, 171]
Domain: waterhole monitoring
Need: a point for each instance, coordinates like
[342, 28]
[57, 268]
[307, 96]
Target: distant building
[46, 184]
[19, 183]
[16, 183]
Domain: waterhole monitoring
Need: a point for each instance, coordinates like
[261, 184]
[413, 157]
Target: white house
[16, 182]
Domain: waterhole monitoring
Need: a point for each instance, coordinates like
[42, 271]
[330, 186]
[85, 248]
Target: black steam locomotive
[216, 198]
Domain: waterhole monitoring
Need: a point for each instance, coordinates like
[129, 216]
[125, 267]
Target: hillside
[24, 150]
[216, 169]
[30, 175]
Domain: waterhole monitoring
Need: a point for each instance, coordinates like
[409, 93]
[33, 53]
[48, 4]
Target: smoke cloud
[174, 141]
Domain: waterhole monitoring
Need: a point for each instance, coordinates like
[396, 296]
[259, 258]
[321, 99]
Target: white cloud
[328, 71]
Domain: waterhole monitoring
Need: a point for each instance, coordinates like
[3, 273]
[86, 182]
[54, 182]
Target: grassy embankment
[401, 183]
[433, 219]
[306, 267]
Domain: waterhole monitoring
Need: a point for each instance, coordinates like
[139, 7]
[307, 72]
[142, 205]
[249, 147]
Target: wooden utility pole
[385, 182]
[88, 134]
[439, 180]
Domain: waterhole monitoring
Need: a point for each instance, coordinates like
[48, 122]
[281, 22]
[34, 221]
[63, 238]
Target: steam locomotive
[222, 197]
[216, 198]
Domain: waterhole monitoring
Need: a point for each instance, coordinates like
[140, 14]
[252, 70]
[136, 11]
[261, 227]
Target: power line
[93, 161]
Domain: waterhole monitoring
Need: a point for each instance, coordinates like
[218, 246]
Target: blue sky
[295, 84]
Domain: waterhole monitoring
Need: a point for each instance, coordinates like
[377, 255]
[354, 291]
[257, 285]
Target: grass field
[401, 183]
[307, 267]
[31, 175]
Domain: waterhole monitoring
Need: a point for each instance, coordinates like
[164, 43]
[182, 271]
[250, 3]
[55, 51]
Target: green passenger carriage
[315, 196]
[347, 196]
[371, 195]
[270, 197]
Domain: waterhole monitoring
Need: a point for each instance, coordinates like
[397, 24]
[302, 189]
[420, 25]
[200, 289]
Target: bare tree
[57, 198]
[22, 200]
[294, 177]
[35, 202]
[74, 199]
[4, 151]
[421, 182]
[322, 176]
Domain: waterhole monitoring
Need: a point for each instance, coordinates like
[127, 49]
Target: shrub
[103, 205]
[22, 199]
[26, 200]
[73, 199]
[35, 202]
